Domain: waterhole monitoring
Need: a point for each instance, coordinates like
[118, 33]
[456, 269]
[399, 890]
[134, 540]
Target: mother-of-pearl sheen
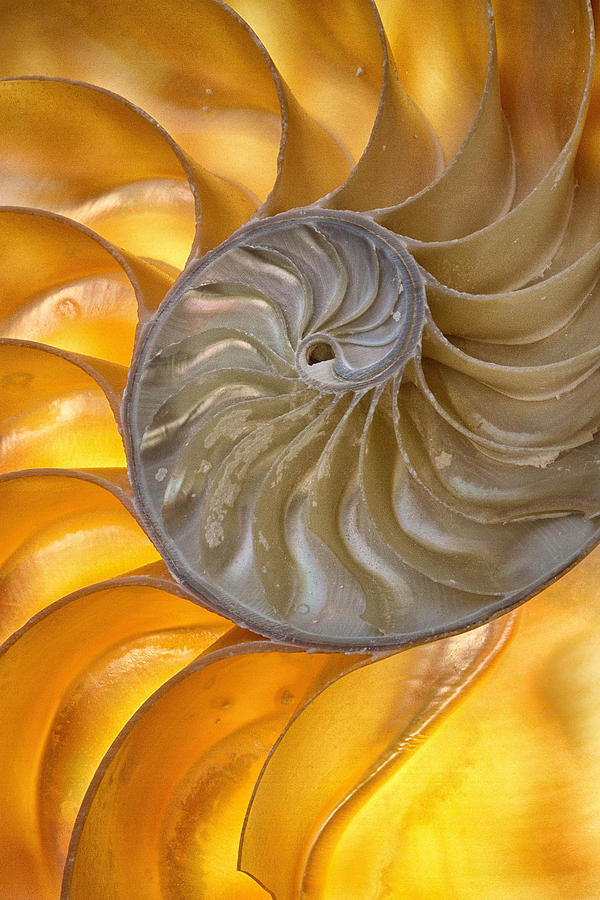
[306, 471]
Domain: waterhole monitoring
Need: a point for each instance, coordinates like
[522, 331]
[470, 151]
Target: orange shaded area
[441, 50]
[97, 658]
[110, 143]
[199, 70]
[345, 742]
[237, 143]
[333, 65]
[542, 49]
[150, 218]
[164, 821]
[189, 65]
[503, 800]
[80, 294]
[53, 413]
[145, 53]
[95, 316]
[113, 148]
[58, 534]
[478, 183]
[311, 162]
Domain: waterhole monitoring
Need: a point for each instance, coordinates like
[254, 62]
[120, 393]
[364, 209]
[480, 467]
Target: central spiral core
[368, 302]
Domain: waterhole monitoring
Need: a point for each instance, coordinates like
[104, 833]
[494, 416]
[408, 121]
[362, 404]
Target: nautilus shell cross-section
[299, 434]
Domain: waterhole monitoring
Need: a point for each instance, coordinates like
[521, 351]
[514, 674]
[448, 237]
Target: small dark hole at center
[319, 352]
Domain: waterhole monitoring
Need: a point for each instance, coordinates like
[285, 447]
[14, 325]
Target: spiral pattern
[352, 248]
[307, 438]
[251, 427]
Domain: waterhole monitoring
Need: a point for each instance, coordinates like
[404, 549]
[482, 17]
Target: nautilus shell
[355, 435]
[299, 350]
[321, 460]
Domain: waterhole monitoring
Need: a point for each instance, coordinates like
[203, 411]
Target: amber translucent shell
[150, 747]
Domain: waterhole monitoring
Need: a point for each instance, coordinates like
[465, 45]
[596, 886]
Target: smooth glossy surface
[148, 745]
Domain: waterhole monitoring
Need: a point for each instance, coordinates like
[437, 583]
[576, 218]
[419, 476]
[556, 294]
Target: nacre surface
[319, 461]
